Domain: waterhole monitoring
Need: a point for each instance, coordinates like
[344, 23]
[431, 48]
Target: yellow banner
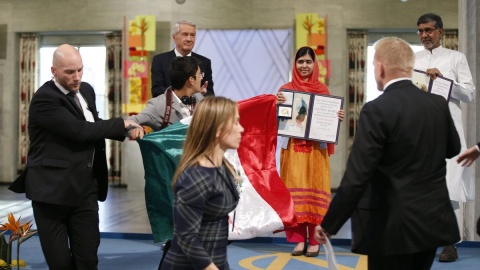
[311, 31]
[141, 33]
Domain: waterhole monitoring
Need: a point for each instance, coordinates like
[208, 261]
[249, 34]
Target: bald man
[66, 171]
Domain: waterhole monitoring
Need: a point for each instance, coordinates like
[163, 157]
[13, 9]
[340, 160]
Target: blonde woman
[204, 188]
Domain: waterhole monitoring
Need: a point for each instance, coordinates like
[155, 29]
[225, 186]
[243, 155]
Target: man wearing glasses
[178, 101]
[436, 60]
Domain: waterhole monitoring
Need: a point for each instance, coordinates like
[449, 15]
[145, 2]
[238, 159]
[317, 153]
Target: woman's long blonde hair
[212, 114]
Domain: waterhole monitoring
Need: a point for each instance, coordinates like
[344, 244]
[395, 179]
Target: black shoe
[299, 252]
[313, 254]
[448, 254]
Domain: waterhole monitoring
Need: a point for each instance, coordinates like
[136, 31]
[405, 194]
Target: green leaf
[3, 249]
[13, 237]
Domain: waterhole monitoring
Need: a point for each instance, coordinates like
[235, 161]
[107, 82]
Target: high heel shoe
[299, 252]
[313, 254]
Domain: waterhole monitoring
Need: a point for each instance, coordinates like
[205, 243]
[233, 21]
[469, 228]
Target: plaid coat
[203, 198]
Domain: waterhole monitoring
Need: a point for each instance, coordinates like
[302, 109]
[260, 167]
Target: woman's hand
[341, 114]
[280, 98]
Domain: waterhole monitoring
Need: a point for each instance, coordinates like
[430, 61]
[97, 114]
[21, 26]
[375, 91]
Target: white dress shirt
[186, 110]
[179, 54]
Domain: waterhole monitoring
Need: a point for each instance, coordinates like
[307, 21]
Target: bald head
[393, 59]
[67, 67]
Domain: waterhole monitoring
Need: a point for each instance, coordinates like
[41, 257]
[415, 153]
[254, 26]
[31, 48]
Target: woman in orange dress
[305, 164]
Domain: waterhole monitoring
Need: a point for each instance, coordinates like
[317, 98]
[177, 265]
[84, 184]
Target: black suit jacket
[394, 187]
[63, 144]
[161, 79]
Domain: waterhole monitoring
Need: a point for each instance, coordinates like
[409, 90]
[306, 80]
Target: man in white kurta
[438, 61]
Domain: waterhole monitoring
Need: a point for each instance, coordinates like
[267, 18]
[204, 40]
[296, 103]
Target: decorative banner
[141, 33]
[134, 90]
[324, 68]
[141, 39]
[135, 54]
[134, 40]
[312, 31]
[135, 69]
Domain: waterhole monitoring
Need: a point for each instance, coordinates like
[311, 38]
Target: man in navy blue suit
[184, 33]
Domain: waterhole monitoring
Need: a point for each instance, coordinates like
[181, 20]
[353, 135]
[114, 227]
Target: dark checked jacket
[203, 198]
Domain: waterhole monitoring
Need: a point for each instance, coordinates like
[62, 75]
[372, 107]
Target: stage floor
[126, 241]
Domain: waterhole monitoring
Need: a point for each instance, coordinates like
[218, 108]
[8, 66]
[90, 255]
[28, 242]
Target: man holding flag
[254, 160]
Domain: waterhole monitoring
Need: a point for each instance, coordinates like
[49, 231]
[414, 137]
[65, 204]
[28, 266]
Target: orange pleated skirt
[305, 170]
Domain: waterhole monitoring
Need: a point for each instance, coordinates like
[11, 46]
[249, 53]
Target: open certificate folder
[309, 116]
[440, 86]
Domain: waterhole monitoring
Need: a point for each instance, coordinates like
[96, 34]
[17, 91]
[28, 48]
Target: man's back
[394, 187]
[411, 121]
[401, 144]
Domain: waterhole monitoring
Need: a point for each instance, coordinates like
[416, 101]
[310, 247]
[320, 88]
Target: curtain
[357, 56]
[450, 39]
[27, 71]
[114, 87]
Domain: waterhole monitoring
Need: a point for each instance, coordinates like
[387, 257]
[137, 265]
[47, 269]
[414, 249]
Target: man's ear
[440, 31]
[381, 69]
[191, 80]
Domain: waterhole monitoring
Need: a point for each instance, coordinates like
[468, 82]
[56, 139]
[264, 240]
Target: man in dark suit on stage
[184, 33]
[66, 171]
[394, 187]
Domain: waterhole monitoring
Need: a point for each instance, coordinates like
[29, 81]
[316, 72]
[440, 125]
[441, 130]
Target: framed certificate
[440, 86]
[309, 116]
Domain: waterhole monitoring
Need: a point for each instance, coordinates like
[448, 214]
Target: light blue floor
[129, 254]
[124, 211]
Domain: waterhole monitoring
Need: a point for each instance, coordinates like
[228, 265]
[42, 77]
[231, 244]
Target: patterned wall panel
[247, 63]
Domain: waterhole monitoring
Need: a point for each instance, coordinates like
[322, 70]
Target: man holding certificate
[394, 186]
[438, 61]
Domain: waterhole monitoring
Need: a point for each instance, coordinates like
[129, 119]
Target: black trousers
[415, 261]
[69, 236]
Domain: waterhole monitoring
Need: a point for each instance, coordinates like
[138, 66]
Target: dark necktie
[75, 98]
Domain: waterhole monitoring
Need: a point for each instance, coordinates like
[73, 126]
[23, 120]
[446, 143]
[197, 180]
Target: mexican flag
[265, 205]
